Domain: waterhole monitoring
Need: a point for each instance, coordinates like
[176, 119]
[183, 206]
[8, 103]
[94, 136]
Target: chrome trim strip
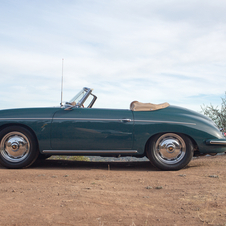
[127, 120]
[90, 151]
[168, 122]
[88, 119]
[101, 119]
[25, 118]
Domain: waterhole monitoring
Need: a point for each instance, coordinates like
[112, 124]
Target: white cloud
[154, 51]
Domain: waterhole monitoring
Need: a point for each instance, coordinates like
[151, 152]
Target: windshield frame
[80, 101]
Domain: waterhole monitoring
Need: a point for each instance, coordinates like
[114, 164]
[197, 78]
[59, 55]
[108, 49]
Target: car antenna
[62, 79]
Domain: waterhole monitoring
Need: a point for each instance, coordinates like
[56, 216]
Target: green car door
[92, 129]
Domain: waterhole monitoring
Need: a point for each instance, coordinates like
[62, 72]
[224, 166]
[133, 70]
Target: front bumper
[216, 142]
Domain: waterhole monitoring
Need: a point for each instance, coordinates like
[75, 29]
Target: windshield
[78, 97]
[84, 98]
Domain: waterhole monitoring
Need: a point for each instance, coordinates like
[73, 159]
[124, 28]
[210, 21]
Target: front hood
[186, 112]
[195, 117]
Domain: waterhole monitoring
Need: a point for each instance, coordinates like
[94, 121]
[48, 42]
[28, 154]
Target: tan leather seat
[138, 106]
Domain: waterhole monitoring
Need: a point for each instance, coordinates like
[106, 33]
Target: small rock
[148, 187]
[159, 187]
[213, 176]
[182, 175]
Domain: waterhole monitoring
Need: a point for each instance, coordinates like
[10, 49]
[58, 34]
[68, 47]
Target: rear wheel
[18, 147]
[170, 151]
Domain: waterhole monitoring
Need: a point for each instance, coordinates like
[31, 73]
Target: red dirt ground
[59, 192]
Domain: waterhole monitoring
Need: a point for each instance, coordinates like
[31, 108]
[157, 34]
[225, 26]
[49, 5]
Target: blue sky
[150, 51]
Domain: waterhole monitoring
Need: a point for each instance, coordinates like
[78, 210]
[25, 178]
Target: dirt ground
[60, 192]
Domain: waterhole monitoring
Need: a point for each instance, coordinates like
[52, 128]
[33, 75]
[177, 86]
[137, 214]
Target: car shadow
[88, 165]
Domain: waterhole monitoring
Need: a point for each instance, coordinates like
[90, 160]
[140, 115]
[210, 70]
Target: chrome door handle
[126, 120]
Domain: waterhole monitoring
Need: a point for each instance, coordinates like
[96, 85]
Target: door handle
[126, 120]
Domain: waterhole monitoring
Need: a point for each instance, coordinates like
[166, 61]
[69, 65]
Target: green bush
[216, 114]
[71, 158]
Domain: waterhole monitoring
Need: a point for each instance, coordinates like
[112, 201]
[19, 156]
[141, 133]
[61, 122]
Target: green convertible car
[169, 136]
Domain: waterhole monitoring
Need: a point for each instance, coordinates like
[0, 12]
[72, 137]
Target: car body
[168, 135]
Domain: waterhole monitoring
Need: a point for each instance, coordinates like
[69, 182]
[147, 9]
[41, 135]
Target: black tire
[170, 151]
[18, 147]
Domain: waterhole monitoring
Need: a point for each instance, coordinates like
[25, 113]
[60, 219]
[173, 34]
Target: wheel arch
[24, 126]
[195, 146]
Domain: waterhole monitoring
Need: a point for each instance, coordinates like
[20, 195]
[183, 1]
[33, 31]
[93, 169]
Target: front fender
[176, 120]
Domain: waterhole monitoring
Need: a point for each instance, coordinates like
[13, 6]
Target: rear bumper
[216, 142]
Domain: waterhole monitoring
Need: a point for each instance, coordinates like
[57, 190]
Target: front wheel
[18, 147]
[170, 151]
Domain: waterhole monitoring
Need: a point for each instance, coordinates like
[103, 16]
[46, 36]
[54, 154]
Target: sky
[148, 50]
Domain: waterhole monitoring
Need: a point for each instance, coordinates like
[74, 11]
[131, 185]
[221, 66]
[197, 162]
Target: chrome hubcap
[14, 147]
[170, 148]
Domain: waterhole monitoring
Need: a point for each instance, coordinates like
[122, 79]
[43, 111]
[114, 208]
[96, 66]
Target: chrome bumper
[216, 141]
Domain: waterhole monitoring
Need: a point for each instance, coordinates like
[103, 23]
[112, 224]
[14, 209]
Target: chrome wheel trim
[169, 149]
[14, 147]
